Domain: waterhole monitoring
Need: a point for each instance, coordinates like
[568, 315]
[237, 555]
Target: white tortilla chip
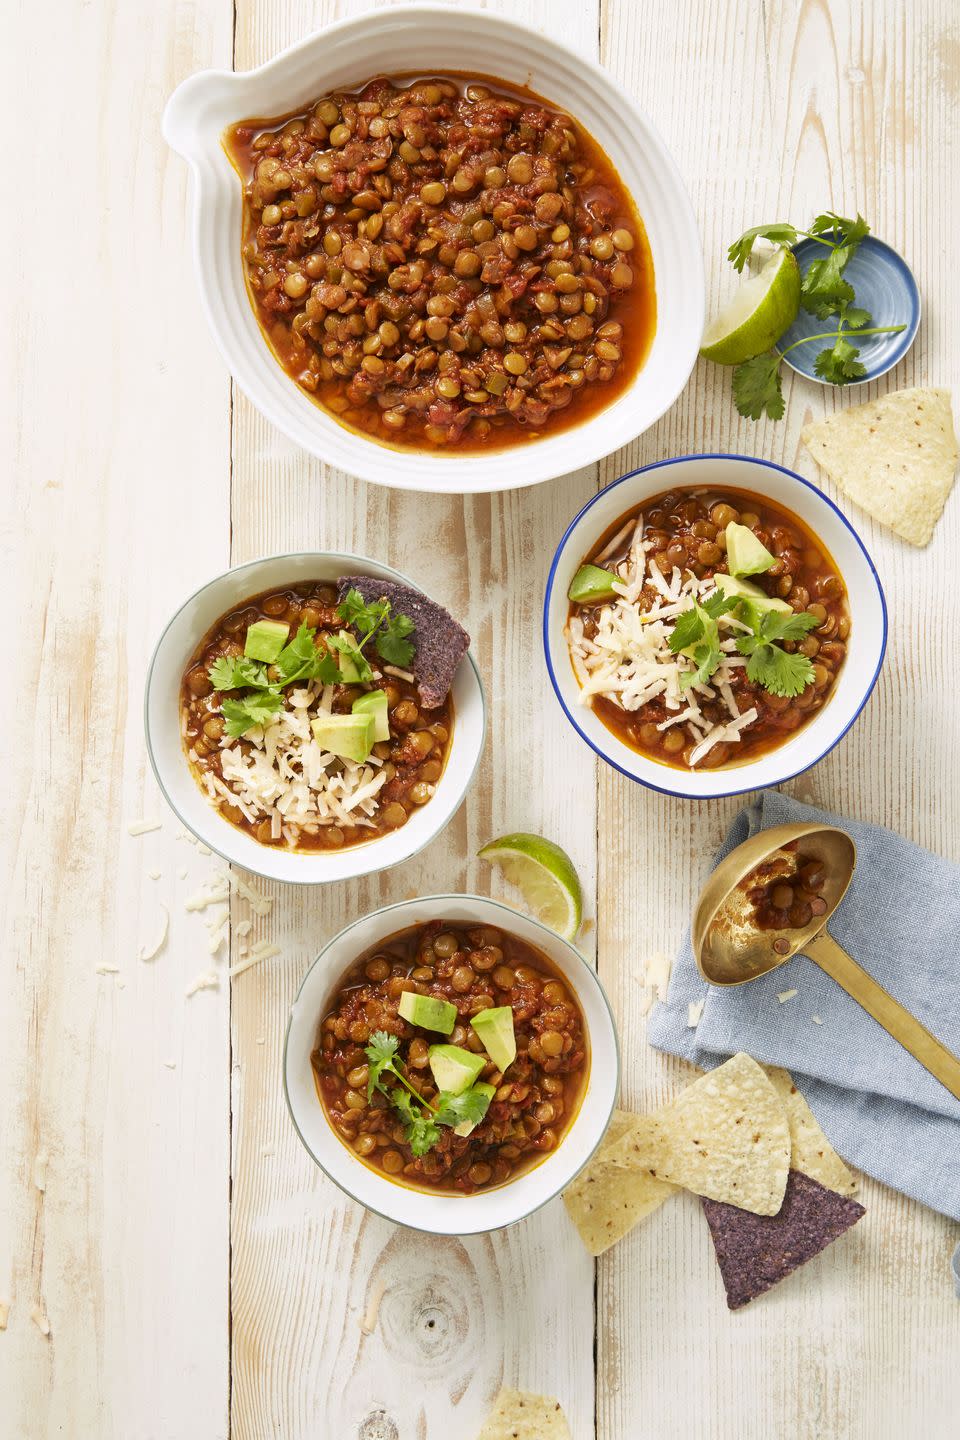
[606, 1201]
[518, 1416]
[896, 457]
[810, 1150]
[725, 1137]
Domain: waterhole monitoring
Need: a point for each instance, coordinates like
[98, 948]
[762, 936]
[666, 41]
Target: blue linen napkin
[877, 1105]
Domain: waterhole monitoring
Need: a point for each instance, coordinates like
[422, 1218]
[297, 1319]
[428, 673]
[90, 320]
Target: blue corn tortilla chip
[756, 1252]
[440, 642]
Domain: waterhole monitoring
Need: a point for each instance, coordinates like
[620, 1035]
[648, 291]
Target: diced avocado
[374, 703]
[495, 1028]
[428, 1012]
[349, 671]
[348, 735]
[466, 1127]
[745, 554]
[454, 1068]
[590, 584]
[265, 640]
[732, 585]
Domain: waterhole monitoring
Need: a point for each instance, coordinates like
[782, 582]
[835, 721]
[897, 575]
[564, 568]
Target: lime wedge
[545, 877]
[763, 308]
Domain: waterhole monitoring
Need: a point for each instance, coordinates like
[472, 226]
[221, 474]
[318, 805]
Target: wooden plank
[455, 1320]
[114, 1209]
[782, 112]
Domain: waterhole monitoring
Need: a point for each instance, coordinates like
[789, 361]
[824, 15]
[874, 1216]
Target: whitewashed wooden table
[199, 1277]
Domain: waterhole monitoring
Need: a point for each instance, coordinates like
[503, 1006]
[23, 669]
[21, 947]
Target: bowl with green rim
[444, 1213]
[175, 648]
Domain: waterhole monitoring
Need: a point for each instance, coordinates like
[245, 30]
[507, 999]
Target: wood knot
[378, 1426]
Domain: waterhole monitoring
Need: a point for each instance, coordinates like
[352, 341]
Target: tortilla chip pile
[517, 1416]
[895, 457]
[742, 1137]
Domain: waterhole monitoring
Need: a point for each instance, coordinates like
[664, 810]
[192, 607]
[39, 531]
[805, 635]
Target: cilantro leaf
[757, 388]
[823, 291]
[377, 620]
[778, 672]
[422, 1131]
[840, 363]
[780, 232]
[231, 672]
[256, 709]
[469, 1107]
[391, 640]
[379, 1052]
[856, 317]
[301, 660]
[354, 610]
[706, 657]
[689, 628]
[853, 231]
[778, 625]
[768, 665]
[696, 632]
[346, 645]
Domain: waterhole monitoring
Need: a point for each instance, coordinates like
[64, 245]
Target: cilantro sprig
[422, 1125]
[778, 671]
[378, 622]
[302, 659]
[697, 632]
[824, 292]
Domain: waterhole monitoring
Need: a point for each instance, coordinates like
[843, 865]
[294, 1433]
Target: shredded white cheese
[104, 969]
[629, 661]
[150, 952]
[280, 773]
[786, 995]
[206, 980]
[816, 1019]
[143, 827]
[263, 951]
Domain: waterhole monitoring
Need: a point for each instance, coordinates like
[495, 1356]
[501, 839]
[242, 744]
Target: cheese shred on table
[629, 660]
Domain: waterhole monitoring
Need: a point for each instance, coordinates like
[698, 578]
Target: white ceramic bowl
[868, 614]
[449, 1214]
[171, 767]
[424, 39]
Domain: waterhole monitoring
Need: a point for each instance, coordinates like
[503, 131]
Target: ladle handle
[824, 951]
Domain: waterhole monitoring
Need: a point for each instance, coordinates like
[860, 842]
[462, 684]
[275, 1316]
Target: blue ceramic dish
[885, 286]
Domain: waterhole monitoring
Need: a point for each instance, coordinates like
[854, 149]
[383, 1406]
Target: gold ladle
[730, 949]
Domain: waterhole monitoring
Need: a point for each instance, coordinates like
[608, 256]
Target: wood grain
[810, 106]
[305, 1259]
[152, 1176]
[116, 413]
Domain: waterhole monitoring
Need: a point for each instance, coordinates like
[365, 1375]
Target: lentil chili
[785, 892]
[447, 262]
[474, 968]
[317, 817]
[684, 529]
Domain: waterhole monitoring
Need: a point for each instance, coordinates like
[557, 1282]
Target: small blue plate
[885, 286]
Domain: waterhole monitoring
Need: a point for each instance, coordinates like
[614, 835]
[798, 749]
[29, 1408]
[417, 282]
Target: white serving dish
[422, 39]
[866, 645]
[420, 1210]
[183, 634]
